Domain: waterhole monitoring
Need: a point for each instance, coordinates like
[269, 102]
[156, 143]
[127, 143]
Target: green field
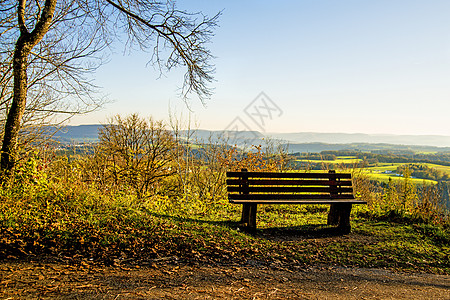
[382, 171]
[445, 169]
[379, 175]
[338, 160]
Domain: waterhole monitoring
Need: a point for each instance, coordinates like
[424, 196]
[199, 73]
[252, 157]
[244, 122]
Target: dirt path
[171, 279]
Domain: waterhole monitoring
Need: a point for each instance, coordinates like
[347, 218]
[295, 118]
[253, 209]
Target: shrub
[133, 153]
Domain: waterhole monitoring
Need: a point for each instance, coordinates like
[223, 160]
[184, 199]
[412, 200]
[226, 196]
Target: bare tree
[35, 36]
[137, 152]
[23, 47]
[57, 72]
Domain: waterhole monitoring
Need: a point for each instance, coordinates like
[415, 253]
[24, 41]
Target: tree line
[423, 171]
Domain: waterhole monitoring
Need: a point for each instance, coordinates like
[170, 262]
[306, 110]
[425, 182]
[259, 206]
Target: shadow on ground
[299, 232]
[310, 231]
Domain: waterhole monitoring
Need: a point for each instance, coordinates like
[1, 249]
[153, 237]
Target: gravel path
[170, 279]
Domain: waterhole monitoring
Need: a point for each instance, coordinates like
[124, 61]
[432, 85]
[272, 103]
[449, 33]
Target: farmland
[378, 167]
[383, 171]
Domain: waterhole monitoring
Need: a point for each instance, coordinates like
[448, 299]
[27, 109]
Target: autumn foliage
[143, 192]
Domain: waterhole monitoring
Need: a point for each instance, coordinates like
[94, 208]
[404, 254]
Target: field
[339, 160]
[383, 171]
[380, 172]
[445, 169]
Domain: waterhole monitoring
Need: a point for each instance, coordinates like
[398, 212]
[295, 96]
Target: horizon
[328, 141]
[292, 132]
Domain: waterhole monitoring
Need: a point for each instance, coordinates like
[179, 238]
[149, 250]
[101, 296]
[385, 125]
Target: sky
[377, 67]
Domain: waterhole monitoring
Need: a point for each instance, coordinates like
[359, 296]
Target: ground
[171, 278]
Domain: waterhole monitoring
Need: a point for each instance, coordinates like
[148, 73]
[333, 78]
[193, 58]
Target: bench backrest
[289, 187]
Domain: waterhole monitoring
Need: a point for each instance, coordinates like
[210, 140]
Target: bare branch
[186, 39]
[21, 16]
[49, 49]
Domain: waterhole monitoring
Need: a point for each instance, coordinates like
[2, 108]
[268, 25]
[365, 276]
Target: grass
[380, 172]
[385, 178]
[299, 235]
[109, 228]
[339, 160]
[444, 169]
[73, 219]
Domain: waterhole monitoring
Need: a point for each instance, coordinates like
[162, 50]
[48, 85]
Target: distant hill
[77, 134]
[316, 142]
[364, 147]
[298, 142]
[345, 138]
[231, 137]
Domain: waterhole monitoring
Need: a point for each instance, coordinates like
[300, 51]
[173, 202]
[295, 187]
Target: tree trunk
[17, 109]
[25, 43]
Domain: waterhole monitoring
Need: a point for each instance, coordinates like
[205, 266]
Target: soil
[170, 278]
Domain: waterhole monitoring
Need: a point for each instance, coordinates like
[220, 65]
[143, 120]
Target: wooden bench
[253, 188]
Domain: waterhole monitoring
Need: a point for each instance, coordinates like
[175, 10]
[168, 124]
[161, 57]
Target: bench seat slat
[289, 175]
[289, 189]
[300, 201]
[290, 182]
[287, 196]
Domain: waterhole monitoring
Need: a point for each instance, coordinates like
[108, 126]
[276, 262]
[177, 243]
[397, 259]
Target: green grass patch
[444, 169]
[107, 229]
[338, 160]
[383, 171]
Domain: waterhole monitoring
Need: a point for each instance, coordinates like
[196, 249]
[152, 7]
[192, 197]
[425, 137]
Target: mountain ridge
[345, 138]
[89, 133]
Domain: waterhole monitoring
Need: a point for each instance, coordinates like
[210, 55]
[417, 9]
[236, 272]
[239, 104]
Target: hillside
[77, 134]
[365, 147]
[298, 142]
[361, 138]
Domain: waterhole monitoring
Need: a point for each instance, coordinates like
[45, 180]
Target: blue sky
[329, 66]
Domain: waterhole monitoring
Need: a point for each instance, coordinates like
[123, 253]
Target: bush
[401, 201]
[133, 153]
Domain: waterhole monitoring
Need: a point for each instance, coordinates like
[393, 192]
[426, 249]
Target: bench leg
[248, 219]
[344, 218]
[252, 220]
[340, 215]
[245, 214]
[333, 215]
